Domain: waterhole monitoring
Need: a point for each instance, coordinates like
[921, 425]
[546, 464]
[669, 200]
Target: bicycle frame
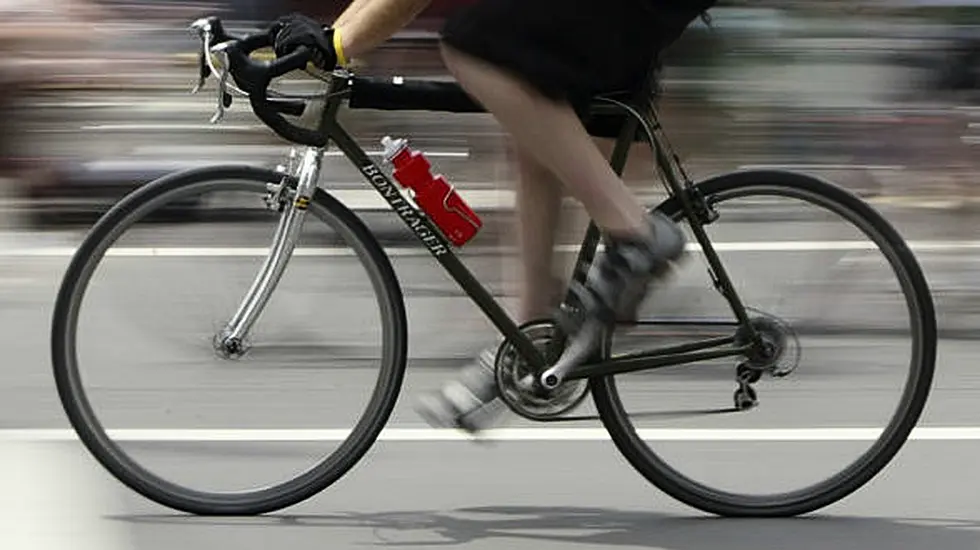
[695, 208]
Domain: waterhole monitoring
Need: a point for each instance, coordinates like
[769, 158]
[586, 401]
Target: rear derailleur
[778, 354]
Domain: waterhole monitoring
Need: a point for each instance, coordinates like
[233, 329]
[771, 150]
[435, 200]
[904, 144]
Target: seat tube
[284, 241]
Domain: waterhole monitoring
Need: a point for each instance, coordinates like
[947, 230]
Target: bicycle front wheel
[154, 388]
[850, 371]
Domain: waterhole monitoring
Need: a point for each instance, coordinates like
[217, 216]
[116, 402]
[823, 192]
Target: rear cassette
[781, 353]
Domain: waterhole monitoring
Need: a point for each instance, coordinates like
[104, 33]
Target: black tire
[290, 492]
[918, 384]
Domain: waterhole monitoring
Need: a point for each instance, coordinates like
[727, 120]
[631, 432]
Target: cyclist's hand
[292, 31]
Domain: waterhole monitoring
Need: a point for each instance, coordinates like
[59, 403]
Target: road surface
[558, 489]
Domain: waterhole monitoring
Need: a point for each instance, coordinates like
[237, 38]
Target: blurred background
[879, 96]
[882, 97]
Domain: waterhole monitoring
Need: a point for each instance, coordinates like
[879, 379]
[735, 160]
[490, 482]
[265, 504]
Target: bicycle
[762, 344]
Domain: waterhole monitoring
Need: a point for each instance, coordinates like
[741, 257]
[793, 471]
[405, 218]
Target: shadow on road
[600, 527]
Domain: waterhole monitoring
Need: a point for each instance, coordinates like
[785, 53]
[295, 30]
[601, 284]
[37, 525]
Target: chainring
[515, 378]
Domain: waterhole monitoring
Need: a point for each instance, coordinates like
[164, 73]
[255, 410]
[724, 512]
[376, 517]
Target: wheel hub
[778, 352]
[230, 348]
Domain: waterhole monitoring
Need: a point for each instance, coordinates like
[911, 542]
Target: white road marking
[179, 150]
[16, 281]
[268, 154]
[889, 167]
[370, 199]
[244, 251]
[146, 165]
[172, 127]
[186, 106]
[359, 196]
[202, 150]
[955, 433]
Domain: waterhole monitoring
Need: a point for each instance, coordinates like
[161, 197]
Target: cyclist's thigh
[566, 49]
[569, 49]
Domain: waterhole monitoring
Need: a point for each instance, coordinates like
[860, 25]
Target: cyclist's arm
[352, 11]
[369, 23]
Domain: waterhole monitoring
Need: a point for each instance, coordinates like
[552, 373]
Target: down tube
[436, 244]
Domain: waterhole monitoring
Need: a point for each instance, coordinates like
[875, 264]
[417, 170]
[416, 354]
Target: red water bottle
[433, 194]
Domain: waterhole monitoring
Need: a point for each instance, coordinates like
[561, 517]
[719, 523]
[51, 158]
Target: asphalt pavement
[141, 351]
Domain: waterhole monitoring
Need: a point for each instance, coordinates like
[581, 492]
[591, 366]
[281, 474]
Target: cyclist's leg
[538, 208]
[541, 217]
[551, 132]
[528, 64]
[571, 157]
[470, 401]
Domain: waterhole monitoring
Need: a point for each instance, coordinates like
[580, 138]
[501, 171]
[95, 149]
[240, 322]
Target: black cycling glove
[294, 30]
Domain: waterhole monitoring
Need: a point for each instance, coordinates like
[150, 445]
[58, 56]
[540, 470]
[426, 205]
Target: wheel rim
[302, 485]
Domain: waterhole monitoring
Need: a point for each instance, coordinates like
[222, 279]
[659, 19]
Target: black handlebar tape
[254, 76]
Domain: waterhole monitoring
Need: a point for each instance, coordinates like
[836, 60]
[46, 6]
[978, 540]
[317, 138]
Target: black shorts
[572, 49]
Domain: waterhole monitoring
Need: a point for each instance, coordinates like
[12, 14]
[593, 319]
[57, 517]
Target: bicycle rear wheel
[838, 389]
[292, 379]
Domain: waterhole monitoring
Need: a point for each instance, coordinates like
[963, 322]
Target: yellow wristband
[338, 48]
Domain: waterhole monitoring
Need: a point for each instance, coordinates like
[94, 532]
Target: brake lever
[206, 31]
[224, 98]
[203, 29]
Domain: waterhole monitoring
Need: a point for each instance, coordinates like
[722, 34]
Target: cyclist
[535, 65]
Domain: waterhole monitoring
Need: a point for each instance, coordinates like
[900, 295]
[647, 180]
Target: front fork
[231, 341]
